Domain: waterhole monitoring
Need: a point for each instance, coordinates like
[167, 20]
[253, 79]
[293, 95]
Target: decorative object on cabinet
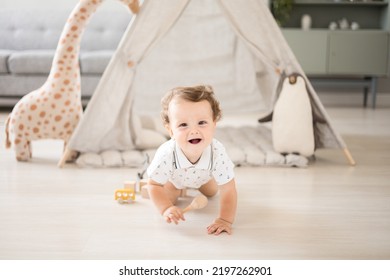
[343, 24]
[306, 22]
[332, 25]
[355, 25]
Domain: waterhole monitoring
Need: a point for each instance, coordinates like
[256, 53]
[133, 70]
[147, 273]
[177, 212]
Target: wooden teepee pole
[349, 157]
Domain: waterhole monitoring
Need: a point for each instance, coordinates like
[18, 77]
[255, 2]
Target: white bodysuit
[170, 164]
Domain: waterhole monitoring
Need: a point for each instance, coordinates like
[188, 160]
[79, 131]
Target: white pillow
[146, 138]
[133, 158]
[154, 123]
[274, 158]
[111, 158]
[149, 139]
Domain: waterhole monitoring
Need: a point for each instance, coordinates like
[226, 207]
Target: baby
[192, 158]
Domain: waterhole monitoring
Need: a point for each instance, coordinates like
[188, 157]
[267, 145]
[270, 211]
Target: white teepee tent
[233, 45]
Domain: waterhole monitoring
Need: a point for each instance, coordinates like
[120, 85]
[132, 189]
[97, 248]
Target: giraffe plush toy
[54, 110]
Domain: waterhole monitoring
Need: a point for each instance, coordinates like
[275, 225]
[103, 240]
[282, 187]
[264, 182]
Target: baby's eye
[202, 122]
[183, 125]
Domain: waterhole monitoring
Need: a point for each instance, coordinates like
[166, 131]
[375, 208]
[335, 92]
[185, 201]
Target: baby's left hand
[218, 226]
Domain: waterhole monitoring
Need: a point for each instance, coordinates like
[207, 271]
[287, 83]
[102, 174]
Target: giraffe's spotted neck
[66, 60]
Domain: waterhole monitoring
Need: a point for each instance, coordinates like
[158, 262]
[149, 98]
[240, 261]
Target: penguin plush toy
[292, 120]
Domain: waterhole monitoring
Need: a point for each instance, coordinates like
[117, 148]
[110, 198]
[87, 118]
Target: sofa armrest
[4, 56]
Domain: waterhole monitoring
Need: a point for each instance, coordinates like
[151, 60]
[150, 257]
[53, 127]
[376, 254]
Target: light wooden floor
[327, 211]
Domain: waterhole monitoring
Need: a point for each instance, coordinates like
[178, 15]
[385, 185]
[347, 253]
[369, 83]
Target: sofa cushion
[19, 85]
[94, 62]
[40, 61]
[40, 28]
[4, 55]
[31, 62]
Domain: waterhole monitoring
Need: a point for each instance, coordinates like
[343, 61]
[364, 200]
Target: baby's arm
[227, 212]
[164, 205]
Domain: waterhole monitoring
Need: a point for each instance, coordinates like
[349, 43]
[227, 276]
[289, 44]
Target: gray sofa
[28, 39]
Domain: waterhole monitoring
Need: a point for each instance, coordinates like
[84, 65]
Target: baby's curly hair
[193, 94]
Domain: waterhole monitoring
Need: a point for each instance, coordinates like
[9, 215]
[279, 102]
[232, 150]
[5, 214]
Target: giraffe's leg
[22, 149]
[7, 140]
[29, 147]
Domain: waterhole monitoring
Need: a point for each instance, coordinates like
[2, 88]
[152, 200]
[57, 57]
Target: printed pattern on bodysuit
[162, 169]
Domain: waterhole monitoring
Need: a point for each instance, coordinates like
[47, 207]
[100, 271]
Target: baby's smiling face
[192, 126]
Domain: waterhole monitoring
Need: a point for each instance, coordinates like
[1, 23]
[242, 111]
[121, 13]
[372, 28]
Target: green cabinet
[358, 53]
[310, 48]
[321, 51]
[350, 53]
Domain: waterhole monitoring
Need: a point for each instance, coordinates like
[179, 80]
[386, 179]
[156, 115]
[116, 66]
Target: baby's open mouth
[195, 141]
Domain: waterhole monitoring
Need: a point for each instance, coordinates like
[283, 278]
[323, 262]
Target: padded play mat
[246, 146]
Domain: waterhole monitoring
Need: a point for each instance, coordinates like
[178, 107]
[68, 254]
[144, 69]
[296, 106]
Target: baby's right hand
[173, 214]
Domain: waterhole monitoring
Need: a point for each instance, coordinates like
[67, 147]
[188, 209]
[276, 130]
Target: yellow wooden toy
[127, 194]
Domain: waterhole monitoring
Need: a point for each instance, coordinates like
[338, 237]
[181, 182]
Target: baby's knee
[209, 190]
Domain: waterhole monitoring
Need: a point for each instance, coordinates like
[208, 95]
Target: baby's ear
[168, 128]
